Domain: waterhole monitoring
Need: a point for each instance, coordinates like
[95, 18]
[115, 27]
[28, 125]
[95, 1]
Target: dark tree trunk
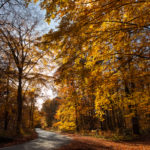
[76, 115]
[19, 103]
[6, 120]
[108, 119]
[104, 125]
[120, 119]
[32, 116]
[6, 105]
[135, 119]
[93, 121]
[135, 124]
[114, 118]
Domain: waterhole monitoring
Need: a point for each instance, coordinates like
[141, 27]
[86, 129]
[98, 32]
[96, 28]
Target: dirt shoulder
[6, 142]
[92, 143]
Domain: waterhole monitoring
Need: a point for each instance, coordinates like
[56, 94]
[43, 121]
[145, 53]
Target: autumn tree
[102, 50]
[49, 109]
[18, 39]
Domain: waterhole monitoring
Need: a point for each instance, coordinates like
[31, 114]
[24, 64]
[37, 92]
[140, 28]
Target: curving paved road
[46, 141]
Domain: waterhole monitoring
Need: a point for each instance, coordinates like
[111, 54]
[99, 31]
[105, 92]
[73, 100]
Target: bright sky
[47, 93]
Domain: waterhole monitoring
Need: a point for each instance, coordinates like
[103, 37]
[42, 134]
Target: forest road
[45, 141]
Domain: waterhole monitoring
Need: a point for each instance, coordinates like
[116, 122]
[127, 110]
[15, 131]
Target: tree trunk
[6, 120]
[114, 118]
[32, 115]
[92, 113]
[19, 103]
[135, 124]
[76, 115]
[109, 121]
[6, 105]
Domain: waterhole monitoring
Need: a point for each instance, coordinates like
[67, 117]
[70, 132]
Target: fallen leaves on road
[91, 143]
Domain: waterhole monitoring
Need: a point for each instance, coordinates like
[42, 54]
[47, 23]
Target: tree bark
[135, 124]
[76, 115]
[6, 120]
[6, 105]
[19, 103]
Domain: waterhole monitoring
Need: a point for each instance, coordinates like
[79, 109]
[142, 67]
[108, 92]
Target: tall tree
[103, 47]
[18, 37]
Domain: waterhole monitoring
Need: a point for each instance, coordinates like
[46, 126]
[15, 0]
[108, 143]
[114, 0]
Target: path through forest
[52, 141]
[46, 141]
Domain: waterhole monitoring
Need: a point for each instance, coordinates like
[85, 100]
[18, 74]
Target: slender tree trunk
[6, 109]
[32, 120]
[76, 109]
[135, 124]
[114, 118]
[19, 103]
[103, 124]
[109, 121]
[76, 115]
[32, 115]
[6, 120]
[135, 118]
[92, 112]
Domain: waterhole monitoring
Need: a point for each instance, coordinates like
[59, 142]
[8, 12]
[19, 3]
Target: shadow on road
[47, 141]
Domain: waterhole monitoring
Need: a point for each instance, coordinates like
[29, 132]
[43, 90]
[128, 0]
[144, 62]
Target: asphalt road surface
[46, 141]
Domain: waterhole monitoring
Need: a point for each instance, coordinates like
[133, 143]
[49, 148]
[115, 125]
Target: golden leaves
[100, 47]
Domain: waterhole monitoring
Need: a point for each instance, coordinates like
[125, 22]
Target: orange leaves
[100, 47]
[65, 116]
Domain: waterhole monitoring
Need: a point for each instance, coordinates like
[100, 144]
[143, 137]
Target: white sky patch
[46, 92]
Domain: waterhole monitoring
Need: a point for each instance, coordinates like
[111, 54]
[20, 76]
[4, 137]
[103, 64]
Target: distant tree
[49, 108]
